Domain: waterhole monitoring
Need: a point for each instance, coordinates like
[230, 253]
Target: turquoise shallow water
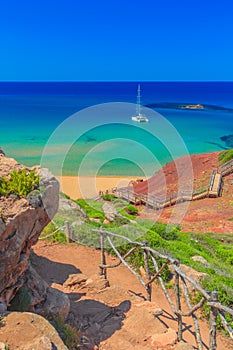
[103, 140]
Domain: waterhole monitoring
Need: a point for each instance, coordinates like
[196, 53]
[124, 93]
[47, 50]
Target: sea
[85, 128]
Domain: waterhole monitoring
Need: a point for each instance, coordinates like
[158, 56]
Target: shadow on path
[95, 320]
[51, 271]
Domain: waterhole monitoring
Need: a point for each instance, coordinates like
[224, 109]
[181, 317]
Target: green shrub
[130, 209]
[120, 221]
[68, 334]
[167, 232]
[58, 236]
[108, 197]
[225, 156]
[90, 209]
[20, 183]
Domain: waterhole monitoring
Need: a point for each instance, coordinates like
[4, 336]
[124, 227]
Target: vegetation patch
[19, 183]
[130, 209]
[51, 234]
[92, 209]
[225, 156]
[68, 334]
[108, 197]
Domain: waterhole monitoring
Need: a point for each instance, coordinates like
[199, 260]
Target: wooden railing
[226, 168]
[181, 282]
[158, 202]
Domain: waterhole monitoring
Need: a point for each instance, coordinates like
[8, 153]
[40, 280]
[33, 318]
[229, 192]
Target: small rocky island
[197, 106]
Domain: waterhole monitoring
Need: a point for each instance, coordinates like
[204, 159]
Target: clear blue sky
[112, 40]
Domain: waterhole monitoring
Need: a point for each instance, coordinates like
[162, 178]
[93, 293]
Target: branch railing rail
[158, 202]
[226, 168]
[181, 283]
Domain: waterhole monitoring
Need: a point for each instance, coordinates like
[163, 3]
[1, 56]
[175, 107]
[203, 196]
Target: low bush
[167, 232]
[58, 236]
[108, 197]
[225, 156]
[20, 183]
[90, 209]
[68, 334]
[130, 209]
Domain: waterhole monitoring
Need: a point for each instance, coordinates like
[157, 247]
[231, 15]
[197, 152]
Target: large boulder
[31, 332]
[56, 304]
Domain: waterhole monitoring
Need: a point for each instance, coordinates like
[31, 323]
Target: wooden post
[103, 271]
[147, 269]
[68, 232]
[195, 319]
[213, 322]
[178, 303]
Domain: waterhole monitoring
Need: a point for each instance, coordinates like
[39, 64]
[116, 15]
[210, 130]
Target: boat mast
[139, 100]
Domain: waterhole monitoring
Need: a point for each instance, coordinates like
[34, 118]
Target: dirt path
[56, 262]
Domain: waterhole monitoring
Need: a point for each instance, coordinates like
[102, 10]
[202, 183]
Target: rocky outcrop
[110, 212]
[21, 222]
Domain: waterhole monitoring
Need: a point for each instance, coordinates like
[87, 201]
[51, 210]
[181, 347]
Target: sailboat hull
[140, 119]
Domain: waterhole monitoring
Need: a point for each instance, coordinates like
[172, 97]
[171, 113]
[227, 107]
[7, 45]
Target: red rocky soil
[115, 317]
[205, 215]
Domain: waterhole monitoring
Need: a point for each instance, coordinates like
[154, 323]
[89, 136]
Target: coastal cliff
[22, 219]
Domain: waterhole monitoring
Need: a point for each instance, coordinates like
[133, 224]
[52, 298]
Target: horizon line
[116, 81]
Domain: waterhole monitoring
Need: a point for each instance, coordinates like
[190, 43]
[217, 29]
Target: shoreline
[89, 186]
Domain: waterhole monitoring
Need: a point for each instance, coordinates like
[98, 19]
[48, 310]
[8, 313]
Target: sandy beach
[89, 186]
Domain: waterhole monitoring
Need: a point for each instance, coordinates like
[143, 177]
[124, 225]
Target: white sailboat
[140, 118]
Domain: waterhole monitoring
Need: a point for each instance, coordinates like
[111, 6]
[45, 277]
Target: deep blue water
[106, 137]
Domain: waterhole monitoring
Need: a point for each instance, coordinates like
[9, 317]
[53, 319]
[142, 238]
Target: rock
[2, 152]
[75, 279]
[141, 330]
[69, 205]
[36, 287]
[34, 199]
[195, 275]
[3, 307]
[81, 282]
[42, 343]
[164, 339]
[95, 220]
[50, 196]
[31, 332]
[200, 259]
[183, 346]
[110, 211]
[56, 303]
[96, 283]
[21, 222]
[2, 345]
[2, 225]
